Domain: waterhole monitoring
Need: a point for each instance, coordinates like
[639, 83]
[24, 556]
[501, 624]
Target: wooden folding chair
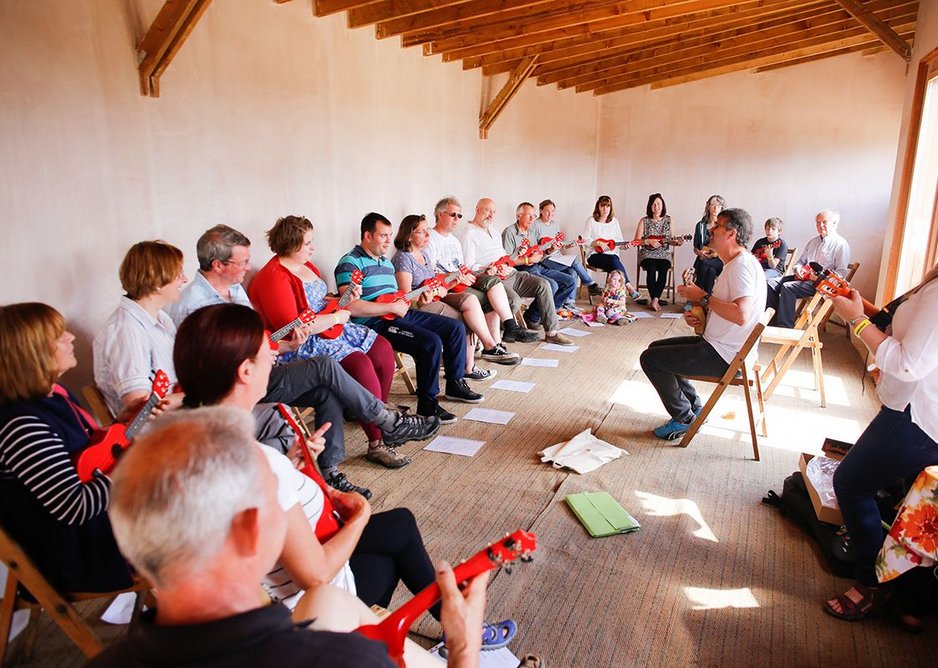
[669, 285]
[403, 373]
[789, 261]
[737, 374]
[822, 327]
[58, 605]
[98, 405]
[804, 335]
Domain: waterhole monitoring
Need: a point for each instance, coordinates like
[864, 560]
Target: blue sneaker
[671, 430]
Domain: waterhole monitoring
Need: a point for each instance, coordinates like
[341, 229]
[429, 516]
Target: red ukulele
[540, 247]
[603, 245]
[450, 280]
[306, 317]
[761, 253]
[430, 284]
[833, 284]
[335, 304]
[108, 444]
[392, 630]
[499, 264]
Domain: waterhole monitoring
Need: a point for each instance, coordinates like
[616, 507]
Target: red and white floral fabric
[913, 537]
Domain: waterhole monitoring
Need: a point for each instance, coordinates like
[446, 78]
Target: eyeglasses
[453, 214]
[242, 264]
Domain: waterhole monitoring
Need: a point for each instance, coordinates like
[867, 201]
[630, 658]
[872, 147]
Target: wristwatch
[705, 300]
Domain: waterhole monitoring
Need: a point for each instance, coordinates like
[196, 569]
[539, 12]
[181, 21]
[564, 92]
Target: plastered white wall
[785, 143]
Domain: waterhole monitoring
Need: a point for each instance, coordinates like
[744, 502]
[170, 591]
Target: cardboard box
[835, 450]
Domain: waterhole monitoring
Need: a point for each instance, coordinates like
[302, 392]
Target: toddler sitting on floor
[612, 309]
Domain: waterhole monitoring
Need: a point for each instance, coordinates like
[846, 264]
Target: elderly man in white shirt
[482, 248]
[828, 250]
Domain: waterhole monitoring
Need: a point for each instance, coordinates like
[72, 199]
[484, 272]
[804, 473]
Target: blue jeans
[427, 338]
[562, 286]
[574, 270]
[892, 449]
[607, 262]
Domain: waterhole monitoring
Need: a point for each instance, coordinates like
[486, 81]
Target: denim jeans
[892, 449]
[782, 295]
[562, 286]
[576, 269]
[607, 262]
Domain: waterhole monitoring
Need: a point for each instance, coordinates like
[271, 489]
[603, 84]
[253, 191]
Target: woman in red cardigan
[289, 284]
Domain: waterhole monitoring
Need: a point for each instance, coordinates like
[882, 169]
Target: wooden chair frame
[403, 373]
[737, 374]
[94, 397]
[23, 571]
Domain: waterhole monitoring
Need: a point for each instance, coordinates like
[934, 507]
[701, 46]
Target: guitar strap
[82, 417]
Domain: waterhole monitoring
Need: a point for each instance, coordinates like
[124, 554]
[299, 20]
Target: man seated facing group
[734, 309]
[828, 250]
[204, 465]
[426, 337]
[488, 288]
[482, 248]
[546, 226]
[530, 257]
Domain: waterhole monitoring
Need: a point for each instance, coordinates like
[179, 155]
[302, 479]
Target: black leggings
[391, 550]
[656, 278]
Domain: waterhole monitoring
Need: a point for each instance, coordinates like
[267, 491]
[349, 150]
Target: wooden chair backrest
[789, 261]
[98, 405]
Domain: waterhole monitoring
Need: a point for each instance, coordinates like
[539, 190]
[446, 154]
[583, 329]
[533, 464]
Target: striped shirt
[378, 275]
[32, 453]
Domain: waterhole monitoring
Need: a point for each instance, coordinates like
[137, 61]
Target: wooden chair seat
[403, 373]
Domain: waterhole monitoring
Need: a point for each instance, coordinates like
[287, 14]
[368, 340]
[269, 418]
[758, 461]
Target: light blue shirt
[201, 293]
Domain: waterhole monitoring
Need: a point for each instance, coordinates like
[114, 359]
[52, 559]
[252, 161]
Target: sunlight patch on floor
[662, 506]
[798, 430]
[640, 397]
[800, 384]
[718, 599]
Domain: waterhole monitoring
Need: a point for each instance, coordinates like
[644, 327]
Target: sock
[385, 420]
[510, 325]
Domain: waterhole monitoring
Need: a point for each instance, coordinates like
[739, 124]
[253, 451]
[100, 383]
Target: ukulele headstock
[161, 384]
[307, 316]
[357, 277]
[513, 547]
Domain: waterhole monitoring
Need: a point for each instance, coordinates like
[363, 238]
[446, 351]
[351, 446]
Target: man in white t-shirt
[734, 309]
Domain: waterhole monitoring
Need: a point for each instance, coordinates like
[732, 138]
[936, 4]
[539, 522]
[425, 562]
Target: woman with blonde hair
[59, 521]
[137, 338]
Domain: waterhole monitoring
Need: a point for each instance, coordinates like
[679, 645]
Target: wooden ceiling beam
[576, 71]
[508, 91]
[456, 13]
[717, 66]
[385, 10]
[553, 15]
[878, 28]
[862, 49]
[164, 39]
[602, 40]
[327, 7]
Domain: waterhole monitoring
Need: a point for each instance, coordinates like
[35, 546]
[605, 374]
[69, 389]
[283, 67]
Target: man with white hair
[194, 507]
[828, 250]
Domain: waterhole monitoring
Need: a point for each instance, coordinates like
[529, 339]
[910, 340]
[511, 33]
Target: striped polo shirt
[378, 275]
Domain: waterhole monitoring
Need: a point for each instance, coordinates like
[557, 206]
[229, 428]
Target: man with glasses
[562, 286]
[319, 383]
[828, 250]
[734, 310]
[446, 253]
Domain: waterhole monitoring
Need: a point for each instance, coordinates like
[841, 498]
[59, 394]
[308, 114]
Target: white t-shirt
[295, 488]
[481, 247]
[445, 251]
[741, 277]
[608, 230]
[909, 360]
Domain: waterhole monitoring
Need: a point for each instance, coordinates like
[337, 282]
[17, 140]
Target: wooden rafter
[508, 91]
[816, 23]
[878, 28]
[166, 35]
[326, 7]
[714, 67]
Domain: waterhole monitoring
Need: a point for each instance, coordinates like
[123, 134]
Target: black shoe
[595, 289]
[459, 390]
[411, 428]
[519, 335]
[341, 483]
[437, 411]
[501, 355]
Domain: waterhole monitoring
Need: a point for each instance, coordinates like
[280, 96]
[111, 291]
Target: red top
[277, 293]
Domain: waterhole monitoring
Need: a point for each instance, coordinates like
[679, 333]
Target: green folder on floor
[601, 514]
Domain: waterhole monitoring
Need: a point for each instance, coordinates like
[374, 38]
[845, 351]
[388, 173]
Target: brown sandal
[852, 610]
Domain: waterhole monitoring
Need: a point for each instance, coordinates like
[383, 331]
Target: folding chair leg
[819, 374]
[752, 422]
[763, 420]
[402, 370]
